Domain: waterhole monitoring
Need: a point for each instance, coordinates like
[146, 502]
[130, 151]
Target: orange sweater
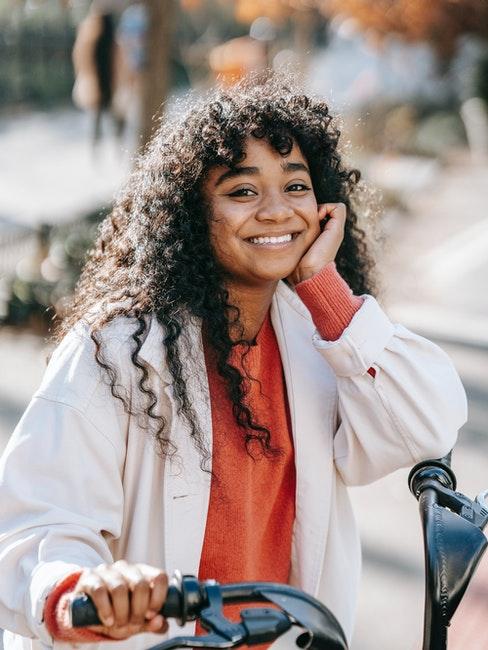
[252, 503]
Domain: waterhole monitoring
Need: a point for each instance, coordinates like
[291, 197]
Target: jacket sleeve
[60, 485]
[409, 411]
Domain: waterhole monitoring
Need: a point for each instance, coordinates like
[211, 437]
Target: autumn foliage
[439, 22]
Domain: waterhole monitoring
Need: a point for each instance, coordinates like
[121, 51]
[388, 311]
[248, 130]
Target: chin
[274, 277]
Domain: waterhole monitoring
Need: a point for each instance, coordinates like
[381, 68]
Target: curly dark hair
[153, 258]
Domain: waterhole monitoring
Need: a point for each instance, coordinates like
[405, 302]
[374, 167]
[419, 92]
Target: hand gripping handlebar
[189, 599]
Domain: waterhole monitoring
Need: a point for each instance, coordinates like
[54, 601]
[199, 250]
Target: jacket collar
[284, 293]
[153, 350]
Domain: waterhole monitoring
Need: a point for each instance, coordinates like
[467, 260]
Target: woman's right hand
[128, 598]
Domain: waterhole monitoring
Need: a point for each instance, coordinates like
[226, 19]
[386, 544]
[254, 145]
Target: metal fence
[16, 243]
[36, 64]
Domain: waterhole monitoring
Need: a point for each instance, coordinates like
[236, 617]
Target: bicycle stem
[453, 544]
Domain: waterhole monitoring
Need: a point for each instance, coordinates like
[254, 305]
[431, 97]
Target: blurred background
[80, 82]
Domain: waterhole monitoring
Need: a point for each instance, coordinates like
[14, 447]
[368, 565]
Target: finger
[117, 633]
[339, 210]
[119, 594]
[157, 625]
[91, 584]
[158, 581]
[140, 591]
[337, 213]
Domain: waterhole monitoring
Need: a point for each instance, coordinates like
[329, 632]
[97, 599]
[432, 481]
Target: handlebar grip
[173, 605]
[84, 612]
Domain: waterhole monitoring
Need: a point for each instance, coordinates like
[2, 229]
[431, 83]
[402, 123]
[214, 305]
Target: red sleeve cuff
[56, 614]
[330, 301]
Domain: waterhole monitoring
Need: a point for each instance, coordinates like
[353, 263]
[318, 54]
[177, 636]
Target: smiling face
[264, 214]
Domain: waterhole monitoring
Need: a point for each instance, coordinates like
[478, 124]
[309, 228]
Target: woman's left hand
[324, 249]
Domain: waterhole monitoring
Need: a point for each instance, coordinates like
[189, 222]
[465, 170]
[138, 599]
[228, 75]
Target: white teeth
[271, 240]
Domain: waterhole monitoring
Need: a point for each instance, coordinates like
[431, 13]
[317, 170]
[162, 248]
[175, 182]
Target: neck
[253, 304]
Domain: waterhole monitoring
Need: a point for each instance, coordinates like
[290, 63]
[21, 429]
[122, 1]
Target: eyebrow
[295, 167]
[237, 171]
[253, 171]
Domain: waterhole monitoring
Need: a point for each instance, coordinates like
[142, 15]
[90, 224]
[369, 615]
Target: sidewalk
[437, 261]
[68, 179]
[23, 359]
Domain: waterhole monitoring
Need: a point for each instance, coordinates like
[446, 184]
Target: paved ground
[436, 267]
[68, 179]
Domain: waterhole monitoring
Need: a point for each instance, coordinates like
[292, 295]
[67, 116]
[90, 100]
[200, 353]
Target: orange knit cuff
[56, 614]
[330, 301]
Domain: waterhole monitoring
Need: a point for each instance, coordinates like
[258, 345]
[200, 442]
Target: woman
[102, 74]
[223, 374]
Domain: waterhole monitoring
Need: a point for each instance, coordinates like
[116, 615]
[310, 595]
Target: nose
[273, 208]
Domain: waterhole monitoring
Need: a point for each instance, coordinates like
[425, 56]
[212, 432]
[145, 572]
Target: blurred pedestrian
[101, 74]
[223, 374]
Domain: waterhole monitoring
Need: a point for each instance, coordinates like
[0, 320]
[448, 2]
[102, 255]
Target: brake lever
[212, 617]
[475, 511]
[481, 500]
[259, 625]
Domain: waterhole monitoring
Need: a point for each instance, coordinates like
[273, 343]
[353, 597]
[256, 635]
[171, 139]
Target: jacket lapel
[312, 397]
[186, 488]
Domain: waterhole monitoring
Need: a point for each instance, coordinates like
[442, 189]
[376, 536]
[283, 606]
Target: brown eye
[242, 192]
[297, 187]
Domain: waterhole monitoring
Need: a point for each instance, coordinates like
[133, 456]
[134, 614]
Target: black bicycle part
[189, 599]
[183, 602]
[453, 544]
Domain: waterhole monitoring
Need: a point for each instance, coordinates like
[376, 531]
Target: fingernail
[109, 621]
[150, 614]
[156, 622]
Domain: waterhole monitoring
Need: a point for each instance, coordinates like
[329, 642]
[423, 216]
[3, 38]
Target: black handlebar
[189, 599]
[84, 612]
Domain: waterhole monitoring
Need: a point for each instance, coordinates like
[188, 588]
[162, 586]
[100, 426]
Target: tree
[438, 22]
[155, 75]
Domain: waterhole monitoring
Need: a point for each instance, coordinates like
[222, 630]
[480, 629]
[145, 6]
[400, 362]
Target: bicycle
[454, 543]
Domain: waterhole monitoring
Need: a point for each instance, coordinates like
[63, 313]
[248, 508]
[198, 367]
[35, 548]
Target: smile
[282, 239]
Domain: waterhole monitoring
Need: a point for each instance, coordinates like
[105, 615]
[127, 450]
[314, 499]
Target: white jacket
[81, 484]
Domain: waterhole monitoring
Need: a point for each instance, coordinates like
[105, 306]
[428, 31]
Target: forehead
[257, 147]
[258, 153]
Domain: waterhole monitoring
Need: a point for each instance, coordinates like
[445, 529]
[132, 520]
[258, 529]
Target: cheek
[314, 226]
[221, 235]
[311, 213]
[226, 224]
